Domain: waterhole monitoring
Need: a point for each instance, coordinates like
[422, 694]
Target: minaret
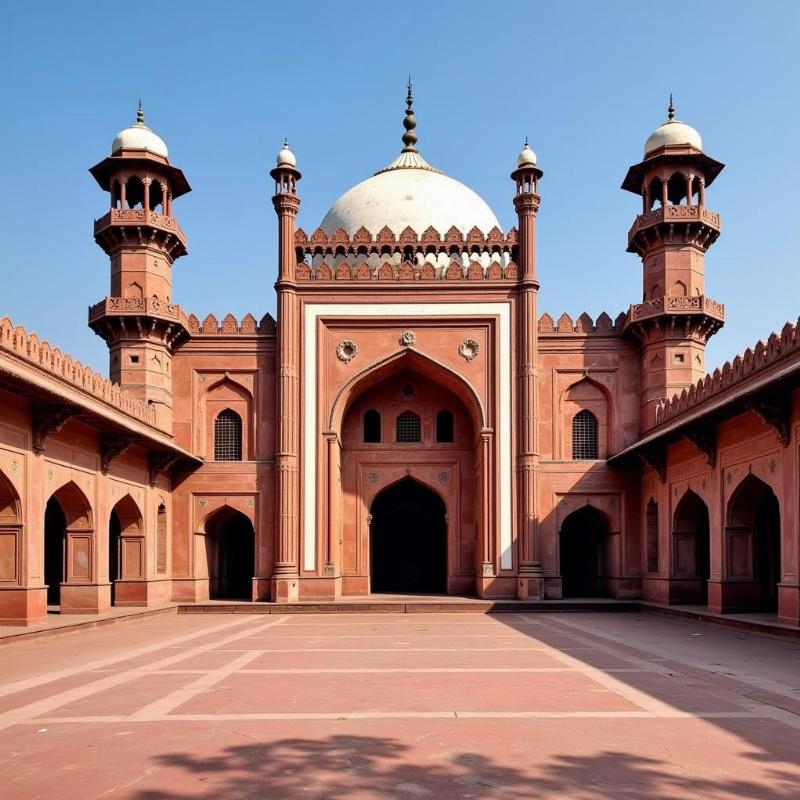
[675, 318]
[526, 202]
[138, 320]
[287, 550]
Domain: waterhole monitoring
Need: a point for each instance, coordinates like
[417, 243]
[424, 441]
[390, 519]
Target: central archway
[408, 540]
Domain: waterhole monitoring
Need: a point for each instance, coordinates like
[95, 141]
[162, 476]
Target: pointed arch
[407, 357]
[68, 540]
[126, 545]
[691, 548]
[228, 393]
[585, 437]
[583, 548]
[753, 543]
[228, 436]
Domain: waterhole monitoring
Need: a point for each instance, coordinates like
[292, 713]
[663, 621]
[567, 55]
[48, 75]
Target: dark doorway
[692, 546]
[233, 577]
[114, 530]
[754, 510]
[767, 531]
[408, 540]
[582, 548]
[55, 525]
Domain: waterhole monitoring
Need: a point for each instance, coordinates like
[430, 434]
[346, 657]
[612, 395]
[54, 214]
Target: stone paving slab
[591, 705]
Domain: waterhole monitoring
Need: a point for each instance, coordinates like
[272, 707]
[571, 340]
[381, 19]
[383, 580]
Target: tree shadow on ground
[345, 767]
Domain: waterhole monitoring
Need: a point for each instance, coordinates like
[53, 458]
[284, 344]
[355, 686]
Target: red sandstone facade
[408, 423]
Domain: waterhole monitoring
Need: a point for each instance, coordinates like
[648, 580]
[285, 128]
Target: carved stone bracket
[776, 413]
[161, 462]
[705, 440]
[655, 458]
[113, 446]
[49, 419]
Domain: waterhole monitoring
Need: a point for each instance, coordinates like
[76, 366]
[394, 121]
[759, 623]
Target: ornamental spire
[671, 109]
[140, 113]
[410, 122]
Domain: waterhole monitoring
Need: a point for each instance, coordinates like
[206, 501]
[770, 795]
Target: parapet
[16, 340]
[230, 326]
[753, 360]
[583, 325]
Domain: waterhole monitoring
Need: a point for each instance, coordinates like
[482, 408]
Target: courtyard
[436, 705]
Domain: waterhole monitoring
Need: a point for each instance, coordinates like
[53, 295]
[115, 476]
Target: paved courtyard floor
[357, 706]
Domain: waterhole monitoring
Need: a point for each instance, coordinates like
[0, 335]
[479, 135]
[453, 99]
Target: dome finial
[140, 113]
[410, 122]
[671, 109]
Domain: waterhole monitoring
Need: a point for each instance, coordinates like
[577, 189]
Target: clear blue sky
[224, 82]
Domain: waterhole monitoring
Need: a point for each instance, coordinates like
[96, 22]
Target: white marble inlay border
[403, 311]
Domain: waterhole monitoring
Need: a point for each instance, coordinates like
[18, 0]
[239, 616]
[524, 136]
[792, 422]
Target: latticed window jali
[408, 427]
[228, 436]
[584, 436]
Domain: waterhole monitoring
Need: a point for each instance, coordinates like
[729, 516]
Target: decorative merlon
[430, 239]
[752, 361]
[230, 326]
[17, 341]
[583, 325]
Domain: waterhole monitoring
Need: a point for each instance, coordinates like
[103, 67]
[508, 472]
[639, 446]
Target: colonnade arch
[753, 544]
[691, 547]
[68, 540]
[126, 546]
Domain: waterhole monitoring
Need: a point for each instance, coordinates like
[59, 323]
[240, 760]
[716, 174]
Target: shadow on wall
[358, 767]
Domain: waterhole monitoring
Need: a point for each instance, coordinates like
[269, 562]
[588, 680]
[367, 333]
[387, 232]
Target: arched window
[676, 188]
[654, 192]
[444, 426]
[228, 436]
[372, 426]
[409, 428]
[584, 436]
[134, 194]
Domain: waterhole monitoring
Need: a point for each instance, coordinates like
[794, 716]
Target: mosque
[409, 423]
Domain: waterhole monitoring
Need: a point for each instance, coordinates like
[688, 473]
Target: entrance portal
[582, 550]
[754, 516]
[231, 556]
[408, 540]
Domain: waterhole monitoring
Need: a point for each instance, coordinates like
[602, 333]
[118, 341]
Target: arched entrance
[68, 541]
[125, 545]
[691, 549]
[582, 552]
[230, 548]
[754, 543]
[408, 540]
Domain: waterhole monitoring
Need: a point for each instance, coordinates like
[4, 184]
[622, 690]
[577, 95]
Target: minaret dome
[139, 137]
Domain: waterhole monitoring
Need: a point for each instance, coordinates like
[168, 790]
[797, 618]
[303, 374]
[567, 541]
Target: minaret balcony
[647, 227]
[125, 226]
[698, 313]
[146, 316]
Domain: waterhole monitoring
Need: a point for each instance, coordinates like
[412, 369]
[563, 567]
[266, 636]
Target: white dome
[139, 137]
[673, 132]
[527, 158]
[286, 158]
[409, 193]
